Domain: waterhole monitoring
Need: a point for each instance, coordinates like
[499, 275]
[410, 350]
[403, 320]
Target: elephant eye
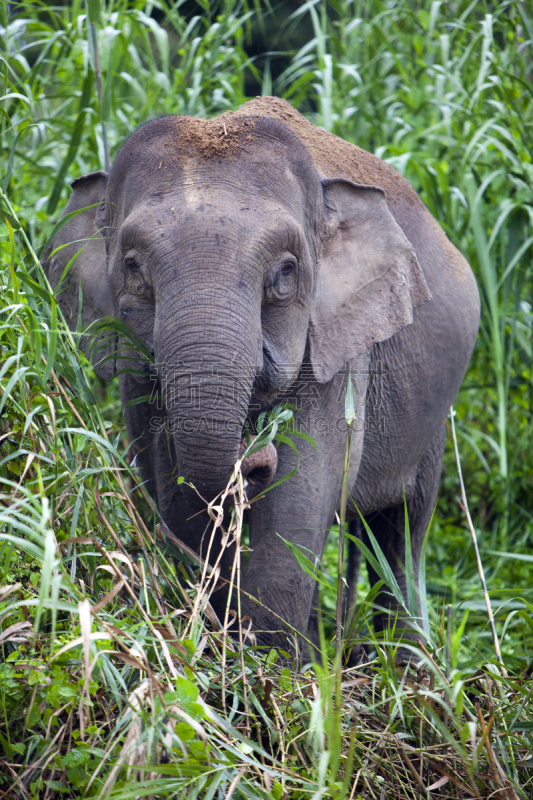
[130, 263]
[284, 279]
[284, 282]
[288, 268]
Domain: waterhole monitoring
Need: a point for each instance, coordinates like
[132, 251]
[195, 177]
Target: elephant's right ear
[81, 243]
[369, 278]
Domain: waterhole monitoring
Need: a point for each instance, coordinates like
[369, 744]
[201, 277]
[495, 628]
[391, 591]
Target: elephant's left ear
[369, 278]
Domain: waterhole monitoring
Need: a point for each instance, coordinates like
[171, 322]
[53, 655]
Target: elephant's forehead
[247, 183]
[208, 223]
[202, 187]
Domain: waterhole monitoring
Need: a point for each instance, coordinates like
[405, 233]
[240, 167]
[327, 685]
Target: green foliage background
[443, 92]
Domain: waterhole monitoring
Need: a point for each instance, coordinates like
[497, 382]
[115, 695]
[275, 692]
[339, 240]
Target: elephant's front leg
[301, 510]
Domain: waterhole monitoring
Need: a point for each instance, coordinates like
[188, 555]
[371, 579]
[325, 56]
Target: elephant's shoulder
[335, 157]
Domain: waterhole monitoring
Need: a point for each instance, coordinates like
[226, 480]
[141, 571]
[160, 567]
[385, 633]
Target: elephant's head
[235, 261]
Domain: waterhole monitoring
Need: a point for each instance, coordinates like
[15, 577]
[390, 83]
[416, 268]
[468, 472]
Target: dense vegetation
[112, 681]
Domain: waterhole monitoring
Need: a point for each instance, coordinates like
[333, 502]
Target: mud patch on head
[335, 157]
[220, 138]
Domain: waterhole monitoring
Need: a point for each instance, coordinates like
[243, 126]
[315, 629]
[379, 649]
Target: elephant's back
[334, 157]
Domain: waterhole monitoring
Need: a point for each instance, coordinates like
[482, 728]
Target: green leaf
[409, 568]
[52, 343]
[308, 566]
[277, 791]
[93, 10]
[12, 156]
[7, 747]
[349, 407]
[185, 732]
[378, 561]
[75, 140]
[514, 556]
[186, 695]
[422, 583]
[55, 230]
[15, 224]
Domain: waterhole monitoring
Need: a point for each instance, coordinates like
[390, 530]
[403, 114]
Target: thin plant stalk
[464, 503]
[94, 14]
[98, 73]
[350, 419]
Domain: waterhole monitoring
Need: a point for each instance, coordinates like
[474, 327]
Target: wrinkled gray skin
[257, 274]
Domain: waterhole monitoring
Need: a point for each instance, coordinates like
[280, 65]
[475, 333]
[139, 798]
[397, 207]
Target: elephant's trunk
[259, 468]
[209, 359]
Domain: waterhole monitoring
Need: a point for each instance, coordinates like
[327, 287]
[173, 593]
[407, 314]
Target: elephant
[261, 259]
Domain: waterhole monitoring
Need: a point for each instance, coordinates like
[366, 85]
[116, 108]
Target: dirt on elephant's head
[334, 157]
[226, 136]
[222, 137]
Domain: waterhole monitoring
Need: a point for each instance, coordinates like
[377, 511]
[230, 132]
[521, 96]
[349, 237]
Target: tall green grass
[113, 679]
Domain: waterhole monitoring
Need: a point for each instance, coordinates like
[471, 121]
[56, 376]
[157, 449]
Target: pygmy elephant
[258, 257]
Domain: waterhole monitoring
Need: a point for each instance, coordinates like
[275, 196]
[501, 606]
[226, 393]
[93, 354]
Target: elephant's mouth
[258, 468]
